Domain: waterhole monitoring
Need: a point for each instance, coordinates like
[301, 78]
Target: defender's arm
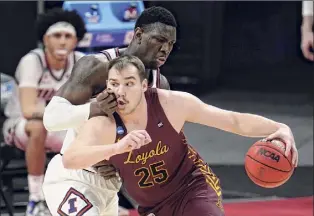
[87, 74]
[68, 109]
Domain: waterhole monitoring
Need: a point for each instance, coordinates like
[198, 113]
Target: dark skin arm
[88, 74]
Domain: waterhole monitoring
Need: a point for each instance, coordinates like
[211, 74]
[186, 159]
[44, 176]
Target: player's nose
[120, 91]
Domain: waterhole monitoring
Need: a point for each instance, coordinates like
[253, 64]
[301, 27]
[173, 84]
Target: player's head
[60, 30]
[154, 36]
[127, 79]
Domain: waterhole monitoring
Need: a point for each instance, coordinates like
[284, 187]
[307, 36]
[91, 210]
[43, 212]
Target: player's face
[60, 44]
[127, 87]
[155, 45]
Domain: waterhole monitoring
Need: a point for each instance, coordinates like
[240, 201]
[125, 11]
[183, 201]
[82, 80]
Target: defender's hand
[134, 140]
[284, 133]
[107, 102]
[106, 169]
[307, 43]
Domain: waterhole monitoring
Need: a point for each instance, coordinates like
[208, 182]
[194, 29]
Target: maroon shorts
[197, 201]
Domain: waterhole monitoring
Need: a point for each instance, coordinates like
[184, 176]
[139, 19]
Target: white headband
[61, 27]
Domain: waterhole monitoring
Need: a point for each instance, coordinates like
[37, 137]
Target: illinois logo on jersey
[74, 203]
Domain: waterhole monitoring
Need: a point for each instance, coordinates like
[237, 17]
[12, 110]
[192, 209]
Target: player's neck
[53, 62]
[130, 51]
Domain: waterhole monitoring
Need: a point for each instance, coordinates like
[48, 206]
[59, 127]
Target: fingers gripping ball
[266, 165]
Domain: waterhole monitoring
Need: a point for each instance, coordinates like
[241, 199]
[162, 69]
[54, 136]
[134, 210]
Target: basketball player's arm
[70, 107]
[91, 144]
[28, 75]
[244, 124]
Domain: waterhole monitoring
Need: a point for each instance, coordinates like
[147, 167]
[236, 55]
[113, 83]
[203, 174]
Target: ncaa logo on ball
[269, 154]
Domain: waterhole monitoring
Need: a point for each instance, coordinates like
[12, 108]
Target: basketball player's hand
[134, 140]
[107, 102]
[284, 133]
[106, 169]
[307, 43]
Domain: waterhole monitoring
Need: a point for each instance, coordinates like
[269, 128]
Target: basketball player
[307, 43]
[39, 75]
[167, 177]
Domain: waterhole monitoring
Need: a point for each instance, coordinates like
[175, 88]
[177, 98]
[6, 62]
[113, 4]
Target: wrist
[306, 29]
[114, 150]
[307, 24]
[36, 116]
[95, 110]
[282, 126]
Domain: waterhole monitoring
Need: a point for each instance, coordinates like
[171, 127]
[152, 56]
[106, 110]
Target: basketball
[266, 165]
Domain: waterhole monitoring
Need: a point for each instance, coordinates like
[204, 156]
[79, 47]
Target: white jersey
[33, 71]
[104, 55]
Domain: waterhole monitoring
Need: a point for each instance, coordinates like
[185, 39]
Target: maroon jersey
[166, 168]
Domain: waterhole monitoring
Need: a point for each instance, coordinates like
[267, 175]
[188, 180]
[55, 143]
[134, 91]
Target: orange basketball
[266, 165]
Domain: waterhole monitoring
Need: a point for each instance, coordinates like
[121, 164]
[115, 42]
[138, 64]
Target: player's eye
[161, 40]
[129, 84]
[114, 84]
[68, 36]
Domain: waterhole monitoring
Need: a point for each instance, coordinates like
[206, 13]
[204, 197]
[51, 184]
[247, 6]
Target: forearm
[250, 125]
[86, 156]
[307, 23]
[60, 114]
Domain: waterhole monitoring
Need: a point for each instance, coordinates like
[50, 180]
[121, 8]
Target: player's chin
[154, 65]
[61, 57]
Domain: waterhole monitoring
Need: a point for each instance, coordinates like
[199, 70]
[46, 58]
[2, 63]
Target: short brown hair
[122, 62]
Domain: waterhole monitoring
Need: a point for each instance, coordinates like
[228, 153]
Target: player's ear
[145, 85]
[138, 32]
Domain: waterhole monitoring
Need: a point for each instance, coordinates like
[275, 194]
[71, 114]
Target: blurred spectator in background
[39, 74]
[307, 43]
[131, 12]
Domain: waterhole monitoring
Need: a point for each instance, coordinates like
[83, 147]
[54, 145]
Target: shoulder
[173, 96]
[100, 127]
[78, 54]
[31, 57]
[101, 121]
